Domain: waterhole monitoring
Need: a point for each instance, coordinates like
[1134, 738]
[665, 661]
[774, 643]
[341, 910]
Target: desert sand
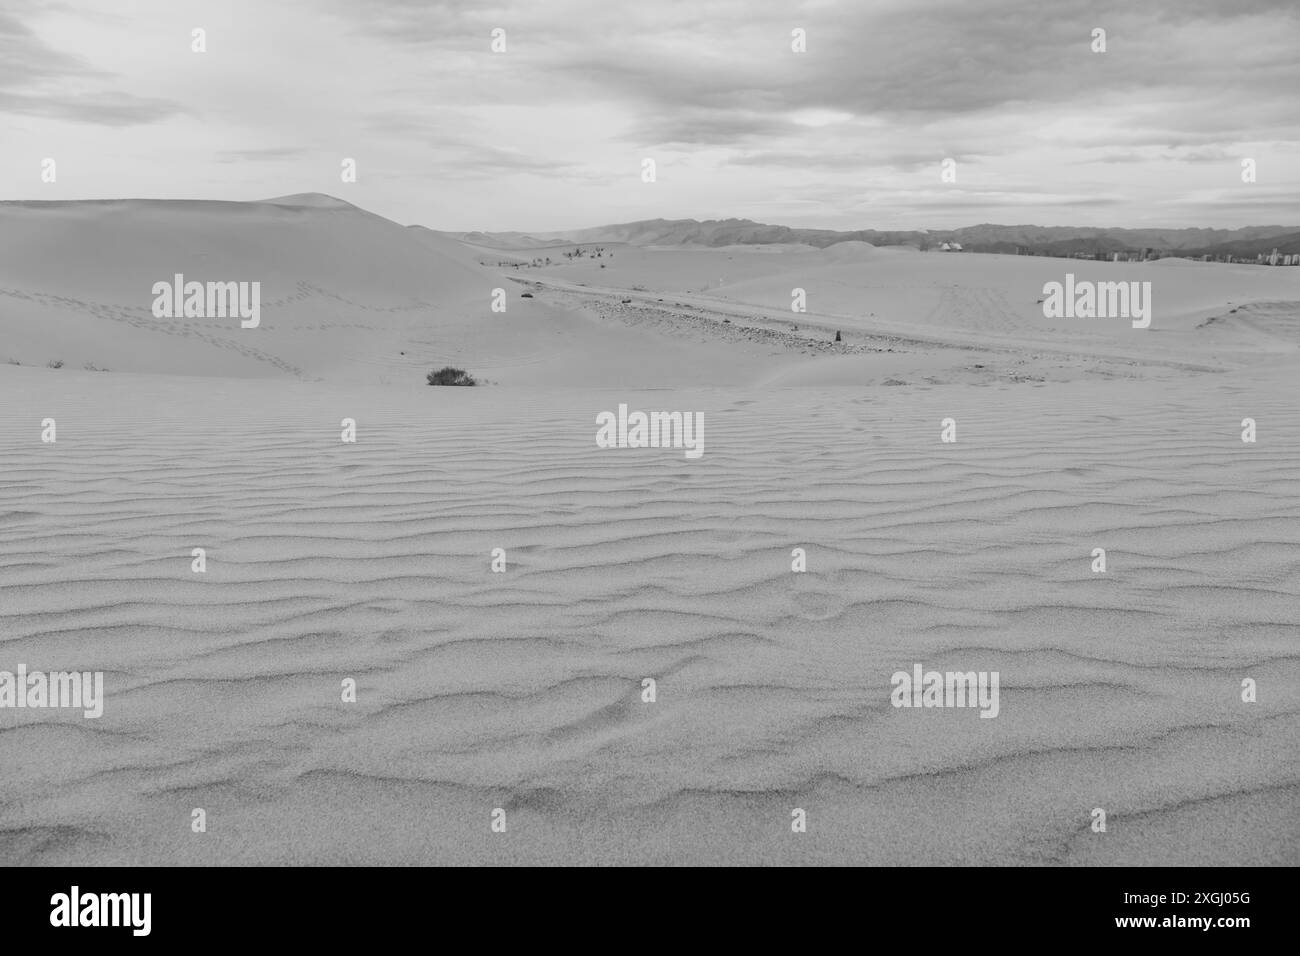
[522, 690]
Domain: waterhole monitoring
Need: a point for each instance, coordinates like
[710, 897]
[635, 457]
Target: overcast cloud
[551, 134]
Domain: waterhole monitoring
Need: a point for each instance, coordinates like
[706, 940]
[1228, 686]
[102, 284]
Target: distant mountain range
[1036, 240]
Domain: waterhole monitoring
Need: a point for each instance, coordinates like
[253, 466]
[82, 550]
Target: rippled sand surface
[522, 690]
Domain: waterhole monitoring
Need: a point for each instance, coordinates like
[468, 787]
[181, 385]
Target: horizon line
[279, 200]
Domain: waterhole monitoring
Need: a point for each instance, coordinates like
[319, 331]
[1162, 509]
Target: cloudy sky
[551, 134]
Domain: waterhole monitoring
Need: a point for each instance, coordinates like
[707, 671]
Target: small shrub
[451, 376]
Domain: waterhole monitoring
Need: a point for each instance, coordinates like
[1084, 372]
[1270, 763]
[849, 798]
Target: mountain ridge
[983, 237]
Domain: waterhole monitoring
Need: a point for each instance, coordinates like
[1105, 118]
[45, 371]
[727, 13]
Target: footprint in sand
[818, 605]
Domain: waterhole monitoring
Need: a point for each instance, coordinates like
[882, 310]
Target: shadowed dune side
[522, 689]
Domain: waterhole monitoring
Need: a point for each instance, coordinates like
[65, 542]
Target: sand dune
[981, 300]
[350, 297]
[347, 296]
[521, 690]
